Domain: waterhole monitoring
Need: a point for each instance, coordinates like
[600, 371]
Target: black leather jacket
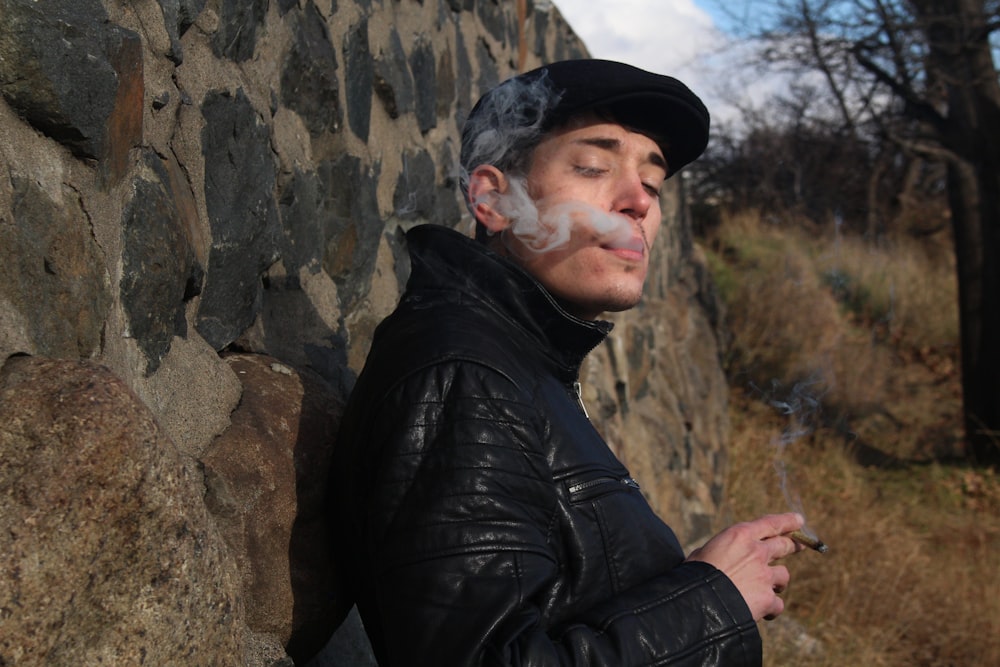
[483, 520]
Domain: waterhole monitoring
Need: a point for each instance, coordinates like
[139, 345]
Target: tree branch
[916, 105]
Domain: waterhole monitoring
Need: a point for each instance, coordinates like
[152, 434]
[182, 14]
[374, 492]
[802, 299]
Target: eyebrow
[610, 144]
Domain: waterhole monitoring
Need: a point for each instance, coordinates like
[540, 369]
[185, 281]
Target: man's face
[594, 174]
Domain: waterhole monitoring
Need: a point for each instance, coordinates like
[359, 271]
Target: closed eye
[590, 172]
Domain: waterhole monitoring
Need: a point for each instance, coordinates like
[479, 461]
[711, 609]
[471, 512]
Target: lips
[630, 244]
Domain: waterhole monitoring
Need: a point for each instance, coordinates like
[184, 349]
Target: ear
[486, 184]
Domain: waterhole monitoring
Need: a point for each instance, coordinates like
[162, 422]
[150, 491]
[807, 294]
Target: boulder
[266, 479]
[109, 554]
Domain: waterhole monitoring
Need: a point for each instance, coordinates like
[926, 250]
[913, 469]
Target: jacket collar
[445, 260]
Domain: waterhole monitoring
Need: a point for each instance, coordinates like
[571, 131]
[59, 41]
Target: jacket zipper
[578, 390]
[583, 486]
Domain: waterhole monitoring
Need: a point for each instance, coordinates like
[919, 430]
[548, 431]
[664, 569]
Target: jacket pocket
[584, 488]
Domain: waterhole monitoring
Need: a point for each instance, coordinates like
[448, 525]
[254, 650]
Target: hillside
[844, 388]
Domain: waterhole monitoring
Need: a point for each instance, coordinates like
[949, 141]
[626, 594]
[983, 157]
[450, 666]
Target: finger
[777, 607]
[780, 578]
[771, 525]
[778, 524]
[780, 546]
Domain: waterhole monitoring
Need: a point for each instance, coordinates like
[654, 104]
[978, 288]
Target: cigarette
[808, 541]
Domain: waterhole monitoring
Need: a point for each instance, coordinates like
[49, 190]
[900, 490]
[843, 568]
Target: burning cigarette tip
[809, 541]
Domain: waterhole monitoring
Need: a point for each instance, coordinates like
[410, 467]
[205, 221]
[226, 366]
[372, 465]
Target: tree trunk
[960, 55]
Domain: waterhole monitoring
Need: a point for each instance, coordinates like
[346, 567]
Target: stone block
[309, 83]
[360, 81]
[159, 270]
[54, 70]
[54, 272]
[393, 81]
[239, 23]
[240, 198]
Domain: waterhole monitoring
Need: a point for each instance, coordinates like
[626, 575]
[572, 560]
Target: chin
[619, 304]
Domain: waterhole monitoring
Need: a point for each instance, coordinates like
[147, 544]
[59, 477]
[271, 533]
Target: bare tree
[921, 73]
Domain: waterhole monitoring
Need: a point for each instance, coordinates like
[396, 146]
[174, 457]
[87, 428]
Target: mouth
[629, 247]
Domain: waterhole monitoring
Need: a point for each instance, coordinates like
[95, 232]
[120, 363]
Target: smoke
[801, 405]
[506, 124]
[540, 233]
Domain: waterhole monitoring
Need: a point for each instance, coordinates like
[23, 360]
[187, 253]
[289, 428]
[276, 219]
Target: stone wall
[201, 208]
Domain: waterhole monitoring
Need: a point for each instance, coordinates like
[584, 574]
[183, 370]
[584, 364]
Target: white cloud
[675, 37]
[666, 36]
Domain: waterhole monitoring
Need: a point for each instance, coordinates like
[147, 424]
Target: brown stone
[109, 556]
[266, 478]
[124, 125]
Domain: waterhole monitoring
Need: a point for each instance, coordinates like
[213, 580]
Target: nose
[632, 199]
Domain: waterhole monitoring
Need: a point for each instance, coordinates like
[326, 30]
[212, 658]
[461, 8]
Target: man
[482, 519]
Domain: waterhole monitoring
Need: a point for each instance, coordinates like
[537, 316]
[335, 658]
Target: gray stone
[400, 257]
[309, 83]
[316, 342]
[425, 74]
[109, 554]
[291, 290]
[360, 80]
[266, 479]
[53, 272]
[187, 13]
[178, 16]
[419, 195]
[393, 82]
[489, 76]
[541, 20]
[239, 196]
[159, 270]
[304, 205]
[461, 5]
[448, 209]
[445, 84]
[415, 190]
[464, 78]
[494, 19]
[239, 21]
[355, 229]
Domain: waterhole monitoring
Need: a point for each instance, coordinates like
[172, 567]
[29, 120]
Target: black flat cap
[654, 104]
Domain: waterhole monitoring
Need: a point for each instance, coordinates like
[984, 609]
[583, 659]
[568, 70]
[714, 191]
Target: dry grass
[789, 323]
[912, 576]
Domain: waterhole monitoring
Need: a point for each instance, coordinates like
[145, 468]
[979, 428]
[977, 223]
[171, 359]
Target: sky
[688, 39]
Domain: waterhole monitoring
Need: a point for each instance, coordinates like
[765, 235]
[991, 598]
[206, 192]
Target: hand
[745, 553]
